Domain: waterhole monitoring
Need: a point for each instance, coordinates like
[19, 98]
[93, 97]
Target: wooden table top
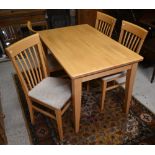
[82, 50]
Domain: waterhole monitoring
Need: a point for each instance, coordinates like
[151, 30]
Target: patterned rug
[111, 126]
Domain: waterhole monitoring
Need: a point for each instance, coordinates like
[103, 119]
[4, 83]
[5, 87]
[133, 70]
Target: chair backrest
[10, 33]
[29, 26]
[27, 58]
[132, 36]
[105, 23]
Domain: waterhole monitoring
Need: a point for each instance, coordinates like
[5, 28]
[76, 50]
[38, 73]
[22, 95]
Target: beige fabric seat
[54, 92]
[50, 93]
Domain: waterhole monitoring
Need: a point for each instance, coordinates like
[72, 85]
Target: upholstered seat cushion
[54, 92]
[108, 78]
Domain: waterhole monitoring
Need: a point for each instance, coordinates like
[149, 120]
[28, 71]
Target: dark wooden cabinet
[86, 16]
[21, 16]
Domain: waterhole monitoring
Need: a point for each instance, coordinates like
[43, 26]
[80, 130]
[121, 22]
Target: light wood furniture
[43, 94]
[52, 64]
[105, 23]
[87, 54]
[29, 26]
[131, 36]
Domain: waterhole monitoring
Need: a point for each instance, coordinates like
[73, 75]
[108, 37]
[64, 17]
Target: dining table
[87, 54]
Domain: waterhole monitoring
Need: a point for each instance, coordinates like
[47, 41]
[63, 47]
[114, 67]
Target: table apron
[105, 73]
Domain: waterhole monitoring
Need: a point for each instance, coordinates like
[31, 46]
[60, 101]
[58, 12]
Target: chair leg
[153, 75]
[59, 123]
[104, 86]
[31, 111]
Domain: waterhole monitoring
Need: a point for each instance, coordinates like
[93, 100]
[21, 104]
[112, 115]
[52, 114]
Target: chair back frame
[132, 36]
[30, 28]
[105, 23]
[30, 67]
[34, 73]
[29, 25]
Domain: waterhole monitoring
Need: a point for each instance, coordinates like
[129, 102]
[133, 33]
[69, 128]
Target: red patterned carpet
[111, 126]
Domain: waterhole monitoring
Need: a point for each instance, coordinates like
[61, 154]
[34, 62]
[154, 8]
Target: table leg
[76, 100]
[129, 86]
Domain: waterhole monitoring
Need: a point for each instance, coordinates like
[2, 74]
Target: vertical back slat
[27, 69]
[127, 39]
[105, 23]
[39, 67]
[131, 40]
[23, 68]
[108, 30]
[101, 26]
[104, 28]
[32, 69]
[134, 36]
[35, 65]
[137, 42]
[124, 38]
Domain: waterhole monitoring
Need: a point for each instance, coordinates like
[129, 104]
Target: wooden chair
[51, 63]
[29, 26]
[10, 34]
[105, 23]
[131, 36]
[43, 94]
